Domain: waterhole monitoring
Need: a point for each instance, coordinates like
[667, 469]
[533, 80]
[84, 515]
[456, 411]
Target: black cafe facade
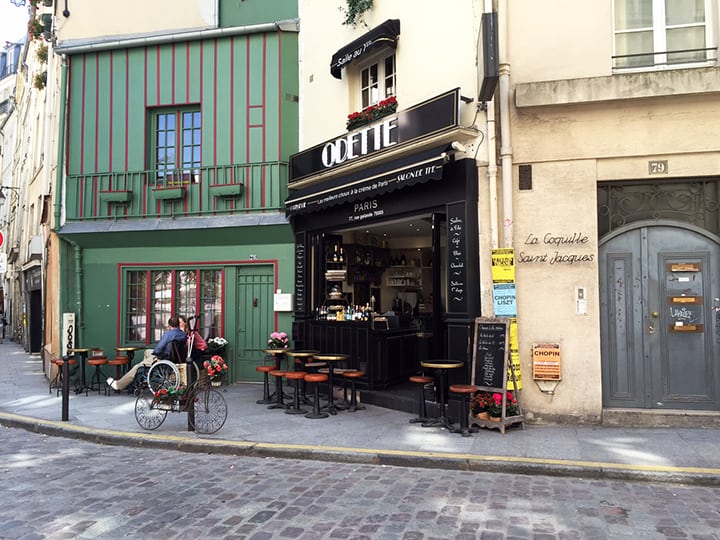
[352, 295]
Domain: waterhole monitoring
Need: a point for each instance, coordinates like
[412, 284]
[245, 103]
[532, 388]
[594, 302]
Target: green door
[255, 286]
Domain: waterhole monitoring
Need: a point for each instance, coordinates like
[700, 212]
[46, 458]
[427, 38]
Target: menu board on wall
[300, 273]
[490, 353]
[457, 267]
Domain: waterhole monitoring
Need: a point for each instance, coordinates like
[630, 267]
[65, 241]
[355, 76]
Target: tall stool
[279, 403]
[421, 381]
[58, 379]
[295, 376]
[316, 378]
[98, 375]
[120, 362]
[465, 391]
[266, 384]
[352, 376]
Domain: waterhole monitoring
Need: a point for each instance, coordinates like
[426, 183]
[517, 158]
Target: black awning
[384, 35]
[401, 173]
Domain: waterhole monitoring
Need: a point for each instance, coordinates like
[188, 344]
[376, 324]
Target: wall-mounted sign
[684, 267]
[547, 362]
[504, 300]
[68, 333]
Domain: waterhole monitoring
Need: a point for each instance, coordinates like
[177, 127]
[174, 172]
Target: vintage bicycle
[166, 390]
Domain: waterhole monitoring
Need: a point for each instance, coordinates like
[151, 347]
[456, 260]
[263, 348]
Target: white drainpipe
[505, 142]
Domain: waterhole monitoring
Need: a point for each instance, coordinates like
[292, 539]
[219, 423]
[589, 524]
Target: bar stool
[120, 362]
[465, 390]
[295, 376]
[266, 384]
[316, 378]
[421, 381]
[58, 379]
[98, 375]
[279, 403]
[352, 376]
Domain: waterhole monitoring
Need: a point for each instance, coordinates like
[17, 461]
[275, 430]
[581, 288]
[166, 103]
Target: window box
[116, 196]
[227, 190]
[169, 193]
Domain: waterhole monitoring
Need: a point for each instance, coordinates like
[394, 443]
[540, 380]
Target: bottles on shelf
[344, 313]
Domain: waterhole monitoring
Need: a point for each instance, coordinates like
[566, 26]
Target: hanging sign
[547, 362]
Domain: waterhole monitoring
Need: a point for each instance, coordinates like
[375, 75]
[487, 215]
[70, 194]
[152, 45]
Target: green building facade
[175, 176]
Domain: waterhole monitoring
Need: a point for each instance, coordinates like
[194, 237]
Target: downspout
[492, 159]
[505, 142]
[59, 195]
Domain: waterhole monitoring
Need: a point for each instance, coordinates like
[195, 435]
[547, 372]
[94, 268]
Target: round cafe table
[441, 368]
[82, 352]
[331, 360]
[298, 360]
[279, 355]
[130, 353]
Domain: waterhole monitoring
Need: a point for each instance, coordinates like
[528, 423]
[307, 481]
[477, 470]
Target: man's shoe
[112, 383]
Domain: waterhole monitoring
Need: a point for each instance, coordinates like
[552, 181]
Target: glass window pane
[631, 14]
[187, 137]
[634, 43]
[161, 303]
[210, 323]
[684, 12]
[196, 137]
[136, 306]
[171, 121]
[692, 39]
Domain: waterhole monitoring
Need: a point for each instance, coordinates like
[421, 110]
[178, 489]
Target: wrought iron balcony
[203, 191]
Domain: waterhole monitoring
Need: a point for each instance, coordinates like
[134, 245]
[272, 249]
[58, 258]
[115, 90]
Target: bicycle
[164, 391]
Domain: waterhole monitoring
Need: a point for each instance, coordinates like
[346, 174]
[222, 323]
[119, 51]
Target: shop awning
[385, 35]
[368, 183]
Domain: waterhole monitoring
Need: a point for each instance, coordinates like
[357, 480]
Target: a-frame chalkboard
[490, 366]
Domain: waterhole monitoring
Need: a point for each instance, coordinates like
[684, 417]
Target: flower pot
[484, 415]
[495, 418]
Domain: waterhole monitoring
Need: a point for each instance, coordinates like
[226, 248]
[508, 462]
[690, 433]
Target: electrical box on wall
[581, 301]
[282, 301]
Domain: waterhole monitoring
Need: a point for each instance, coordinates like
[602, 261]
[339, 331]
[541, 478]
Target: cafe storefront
[385, 220]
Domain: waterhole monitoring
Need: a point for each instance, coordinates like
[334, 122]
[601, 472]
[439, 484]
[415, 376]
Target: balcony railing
[204, 191]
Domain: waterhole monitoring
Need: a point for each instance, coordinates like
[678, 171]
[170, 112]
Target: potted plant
[216, 369]
[216, 345]
[480, 405]
[42, 53]
[40, 80]
[373, 112]
[495, 409]
[278, 340]
[35, 28]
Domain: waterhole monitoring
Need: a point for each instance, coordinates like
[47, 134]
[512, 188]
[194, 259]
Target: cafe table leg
[442, 420]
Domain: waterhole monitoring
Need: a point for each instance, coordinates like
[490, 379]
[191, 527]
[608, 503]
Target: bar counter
[386, 356]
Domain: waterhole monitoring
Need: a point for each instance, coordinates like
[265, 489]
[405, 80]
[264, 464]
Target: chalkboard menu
[300, 273]
[457, 273]
[490, 353]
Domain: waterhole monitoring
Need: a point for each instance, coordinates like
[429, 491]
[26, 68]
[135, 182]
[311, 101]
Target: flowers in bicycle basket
[216, 344]
[216, 366]
[278, 340]
[170, 393]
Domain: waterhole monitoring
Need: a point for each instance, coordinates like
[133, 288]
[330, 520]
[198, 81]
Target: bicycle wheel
[147, 416]
[163, 374]
[210, 410]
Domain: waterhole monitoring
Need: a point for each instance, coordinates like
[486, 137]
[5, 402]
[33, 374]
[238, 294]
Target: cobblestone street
[65, 488]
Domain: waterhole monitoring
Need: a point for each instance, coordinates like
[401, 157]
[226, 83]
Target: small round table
[130, 352]
[279, 354]
[441, 368]
[304, 357]
[82, 352]
[331, 359]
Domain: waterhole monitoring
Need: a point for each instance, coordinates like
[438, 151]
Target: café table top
[128, 348]
[442, 364]
[82, 349]
[275, 351]
[331, 357]
[303, 354]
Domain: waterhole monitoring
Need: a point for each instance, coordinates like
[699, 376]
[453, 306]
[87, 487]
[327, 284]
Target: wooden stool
[316, 378]
[279, 403]
[352, 376]
[98, 376]
[58, 379]
[120, 363]
[421, 381]
[266, 384]
[296, 376]
[465, 391]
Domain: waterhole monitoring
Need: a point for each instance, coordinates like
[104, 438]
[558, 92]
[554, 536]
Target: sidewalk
[375, 435]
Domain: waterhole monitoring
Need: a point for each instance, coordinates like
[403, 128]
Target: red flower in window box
[373, 112]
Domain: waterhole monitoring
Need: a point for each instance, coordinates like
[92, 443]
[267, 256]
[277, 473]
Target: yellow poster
[514, 355]
[503, 265]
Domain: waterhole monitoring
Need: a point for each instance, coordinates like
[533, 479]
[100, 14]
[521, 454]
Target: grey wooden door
[660, 321]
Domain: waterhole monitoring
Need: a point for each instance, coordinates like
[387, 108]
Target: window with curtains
[152, 296]
[176, 138]
[662, 33]
[377, 81]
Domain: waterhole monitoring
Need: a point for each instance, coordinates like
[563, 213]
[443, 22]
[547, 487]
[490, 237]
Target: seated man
[163, 350]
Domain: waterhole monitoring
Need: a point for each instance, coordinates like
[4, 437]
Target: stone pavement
[375, 435]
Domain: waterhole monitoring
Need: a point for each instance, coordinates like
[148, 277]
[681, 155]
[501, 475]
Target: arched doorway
[660, 316]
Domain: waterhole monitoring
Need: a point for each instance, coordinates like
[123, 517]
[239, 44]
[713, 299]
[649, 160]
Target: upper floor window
[657, 33]
[377, 81]
[176, 139]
